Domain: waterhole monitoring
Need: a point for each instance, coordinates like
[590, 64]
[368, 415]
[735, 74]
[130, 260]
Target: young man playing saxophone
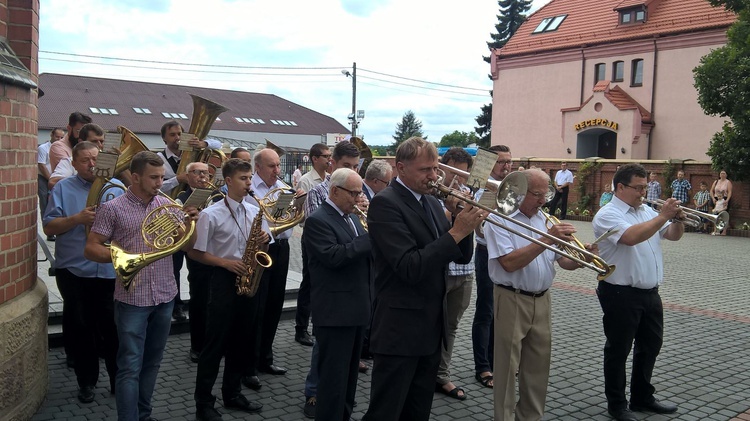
[224, 231]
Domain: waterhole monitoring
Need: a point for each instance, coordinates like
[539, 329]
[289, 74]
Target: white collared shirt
[261, 190]
[417, 196]
[640, 266]
[223, 233]
[64, 169]
[481, 241]
[537, 276]
[563, 176]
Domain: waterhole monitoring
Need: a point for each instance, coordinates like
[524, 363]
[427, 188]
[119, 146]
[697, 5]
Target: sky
[417, 55]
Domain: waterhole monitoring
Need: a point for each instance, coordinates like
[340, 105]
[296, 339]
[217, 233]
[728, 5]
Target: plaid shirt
[700, 197]
[317, 195]
[119, 220]
[654, 190]
[680, 190]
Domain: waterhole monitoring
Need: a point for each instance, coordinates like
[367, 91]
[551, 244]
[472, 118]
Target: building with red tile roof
[607, 78]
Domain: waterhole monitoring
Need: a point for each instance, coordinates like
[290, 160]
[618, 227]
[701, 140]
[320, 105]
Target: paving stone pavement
[704, 364]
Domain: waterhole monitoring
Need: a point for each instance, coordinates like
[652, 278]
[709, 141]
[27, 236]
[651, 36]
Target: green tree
[408, 127]
[512, 15]
[458, 138]
[723, 83]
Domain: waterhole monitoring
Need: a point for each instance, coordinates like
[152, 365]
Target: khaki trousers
[523, 341]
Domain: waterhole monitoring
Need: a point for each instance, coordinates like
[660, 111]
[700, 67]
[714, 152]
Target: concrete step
[54, 321]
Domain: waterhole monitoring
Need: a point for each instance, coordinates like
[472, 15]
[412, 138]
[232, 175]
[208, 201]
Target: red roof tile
[595, 22]
[623, 101]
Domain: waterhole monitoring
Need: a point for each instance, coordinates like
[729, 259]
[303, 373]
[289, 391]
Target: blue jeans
[482, 335]
[143, 333]
[311, 381]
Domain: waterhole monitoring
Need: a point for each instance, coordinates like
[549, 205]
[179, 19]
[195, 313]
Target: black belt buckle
[522, 292]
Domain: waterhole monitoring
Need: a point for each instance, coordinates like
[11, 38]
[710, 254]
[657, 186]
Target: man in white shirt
[523, 272]
[222, 235]
[296, 175]
[563, 181]
[630, 296]
[44, 170]
[320, 156]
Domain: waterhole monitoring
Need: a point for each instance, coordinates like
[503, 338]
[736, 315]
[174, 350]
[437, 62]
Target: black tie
[428, 212]
[350, 223]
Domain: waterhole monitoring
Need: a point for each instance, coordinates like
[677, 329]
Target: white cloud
[417, 39]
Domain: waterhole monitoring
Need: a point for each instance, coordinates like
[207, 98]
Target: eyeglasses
[503, 162]
[639, 188]
[382, 181]
[353, 193]
[199, 173]
[326, 156]
[538, 195]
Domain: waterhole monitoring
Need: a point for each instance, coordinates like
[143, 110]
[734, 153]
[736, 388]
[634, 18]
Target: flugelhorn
[281, 219]
[510, 194]
[163, 230]
[362, 215]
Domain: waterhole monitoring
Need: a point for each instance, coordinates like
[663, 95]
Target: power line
[423, 81]
[423, 87]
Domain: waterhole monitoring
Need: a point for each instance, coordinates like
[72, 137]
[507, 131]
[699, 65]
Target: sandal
[485, 381]
[453, 393]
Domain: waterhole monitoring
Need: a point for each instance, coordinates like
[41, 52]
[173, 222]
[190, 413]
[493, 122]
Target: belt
[628, 287]
[522, 292]
[281, 241]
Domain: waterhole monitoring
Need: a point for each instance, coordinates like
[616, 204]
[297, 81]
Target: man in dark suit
[377, 176]
[412, 243]
[339, 259]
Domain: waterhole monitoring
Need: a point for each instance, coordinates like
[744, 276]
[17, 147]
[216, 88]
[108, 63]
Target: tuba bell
[204, 114]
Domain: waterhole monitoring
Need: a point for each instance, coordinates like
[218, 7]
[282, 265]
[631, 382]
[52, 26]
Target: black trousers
[562, 199]
[338, 368]
[177, 259]
[630, 315]
[66, 284]
[302, 317]
[402, 387]
[199, 278]
[230, 317]
[91, 312]
[271, 301]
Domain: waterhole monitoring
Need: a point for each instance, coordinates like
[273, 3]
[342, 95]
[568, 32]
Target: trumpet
[510, 193]
[693, 217]
[362, 215]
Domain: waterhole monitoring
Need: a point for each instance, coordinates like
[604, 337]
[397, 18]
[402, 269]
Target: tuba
[204, 115]
[163, 230]
[255, 260]
[129, 146]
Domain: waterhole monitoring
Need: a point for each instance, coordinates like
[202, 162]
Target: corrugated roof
[595, 22]
[64, 94]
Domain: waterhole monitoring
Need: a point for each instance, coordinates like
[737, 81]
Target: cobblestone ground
[704, 365]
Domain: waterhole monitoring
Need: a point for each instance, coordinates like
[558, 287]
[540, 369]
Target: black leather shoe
[272, 369]
[241, 403]
[207, 413]
[303, 338]
[655, 406]
[194, 356]
[309, 410]
[623, 414]
[86, 394]
[179, 314]
[252, 382]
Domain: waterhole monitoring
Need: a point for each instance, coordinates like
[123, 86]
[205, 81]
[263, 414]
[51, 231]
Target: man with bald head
[273, 282]
[522, 273]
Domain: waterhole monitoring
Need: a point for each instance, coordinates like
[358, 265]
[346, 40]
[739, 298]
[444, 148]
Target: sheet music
[197, 198]
[184, 139]
[481, 169]
[106, 162]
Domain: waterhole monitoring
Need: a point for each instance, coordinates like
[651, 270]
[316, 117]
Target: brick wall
[19, 24]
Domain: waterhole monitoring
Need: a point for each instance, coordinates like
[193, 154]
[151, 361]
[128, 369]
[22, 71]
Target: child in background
[702, 201]
[607, 195]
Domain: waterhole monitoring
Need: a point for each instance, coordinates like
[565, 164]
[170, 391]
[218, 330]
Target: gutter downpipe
[653, 95]
[583, 73]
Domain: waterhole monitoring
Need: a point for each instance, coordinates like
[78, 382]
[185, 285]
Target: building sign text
[596, 122]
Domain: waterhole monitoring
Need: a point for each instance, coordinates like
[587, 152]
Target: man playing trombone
[522, 272]
[630, 296]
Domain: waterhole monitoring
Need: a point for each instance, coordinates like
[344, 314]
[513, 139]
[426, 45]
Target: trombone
[510, 193]
[693, 216]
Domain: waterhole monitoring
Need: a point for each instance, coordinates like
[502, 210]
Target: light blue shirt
[68, 198]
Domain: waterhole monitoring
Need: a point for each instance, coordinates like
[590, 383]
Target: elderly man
[87, 287]
[377, 177]
[198, 273]
[630, 296]
[522, 272]
[320, 156]
[339, 259]
[412, 244]
[482, 328]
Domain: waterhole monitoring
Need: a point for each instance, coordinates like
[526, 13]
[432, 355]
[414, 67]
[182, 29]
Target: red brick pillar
[23, 300]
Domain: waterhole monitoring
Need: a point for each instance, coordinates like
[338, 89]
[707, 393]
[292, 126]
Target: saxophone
[255, 260]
